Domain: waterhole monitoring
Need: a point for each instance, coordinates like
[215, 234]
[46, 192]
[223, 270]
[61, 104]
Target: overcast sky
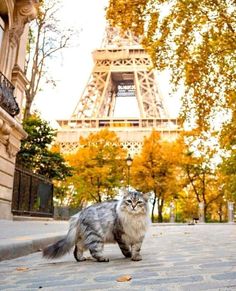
[74, 66]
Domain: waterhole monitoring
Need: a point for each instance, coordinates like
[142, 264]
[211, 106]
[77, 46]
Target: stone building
[14, 18]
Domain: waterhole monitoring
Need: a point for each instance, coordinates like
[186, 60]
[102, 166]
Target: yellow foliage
[98, 165]
[195, 40]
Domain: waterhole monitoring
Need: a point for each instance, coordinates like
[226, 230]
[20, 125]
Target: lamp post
[129, 162]
[176, 208]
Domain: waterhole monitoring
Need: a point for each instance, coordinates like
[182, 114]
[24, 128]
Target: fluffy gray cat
[124, 222]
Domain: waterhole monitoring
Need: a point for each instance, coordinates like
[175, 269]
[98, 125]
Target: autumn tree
[228, 143]
[99, 166]
[188, 204]
[195, 40]
[156, 170]
[228, 170]
[46, 39]
[200, 167]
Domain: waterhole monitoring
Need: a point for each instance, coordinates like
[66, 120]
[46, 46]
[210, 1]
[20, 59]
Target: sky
[74, 65]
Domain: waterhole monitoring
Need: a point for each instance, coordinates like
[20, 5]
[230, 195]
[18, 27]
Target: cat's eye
[140, 202]
[129, 201]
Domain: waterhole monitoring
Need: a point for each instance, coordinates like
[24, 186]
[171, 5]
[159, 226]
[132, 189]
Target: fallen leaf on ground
[124, 278]
[22, 269]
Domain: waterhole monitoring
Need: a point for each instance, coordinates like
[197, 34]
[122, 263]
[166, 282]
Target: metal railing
[7, 99]
[162, 124]
[32, 194]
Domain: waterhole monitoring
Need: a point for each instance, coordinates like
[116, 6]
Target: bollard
[230, 212]
[172, 213]
[201, 212]
[56, 213]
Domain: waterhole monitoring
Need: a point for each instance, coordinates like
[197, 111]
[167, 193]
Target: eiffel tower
[121, 95]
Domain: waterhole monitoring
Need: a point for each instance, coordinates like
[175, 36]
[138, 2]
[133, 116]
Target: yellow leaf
[124, 278]
[22, 269]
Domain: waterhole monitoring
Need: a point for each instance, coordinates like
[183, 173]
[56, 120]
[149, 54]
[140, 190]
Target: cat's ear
[146, 196]
[125, 192]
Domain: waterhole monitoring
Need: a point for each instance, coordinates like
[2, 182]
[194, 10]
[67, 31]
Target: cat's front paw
[103, 260]
[80, 259]
[127, 254]
[137, 257]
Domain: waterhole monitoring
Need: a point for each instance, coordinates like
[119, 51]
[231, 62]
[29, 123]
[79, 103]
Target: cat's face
[134, 203]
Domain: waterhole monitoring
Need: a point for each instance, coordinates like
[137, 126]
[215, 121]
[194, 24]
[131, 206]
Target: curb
[19, 247]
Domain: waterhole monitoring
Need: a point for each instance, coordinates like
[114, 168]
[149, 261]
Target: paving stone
[225, 276]
[217, 265]
[168, 280]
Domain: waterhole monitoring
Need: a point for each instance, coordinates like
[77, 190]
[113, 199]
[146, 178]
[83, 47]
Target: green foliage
[65, 194]
[35, 153]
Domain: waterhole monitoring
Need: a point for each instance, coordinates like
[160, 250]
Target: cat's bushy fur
[124, 222]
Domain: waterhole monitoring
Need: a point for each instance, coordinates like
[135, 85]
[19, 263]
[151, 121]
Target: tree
[200, 167]
[46, 39]
[35, 154]
[228, 170]
[228, 143]
[99, 166]
[195, 40]
[156, 170]
[65, 194]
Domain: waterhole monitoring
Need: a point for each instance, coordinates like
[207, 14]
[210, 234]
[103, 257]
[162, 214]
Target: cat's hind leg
[96, 250]
[95, 244]
[78, 253]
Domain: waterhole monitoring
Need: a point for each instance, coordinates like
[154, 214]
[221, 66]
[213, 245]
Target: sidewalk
[20, 238]
[175, 258]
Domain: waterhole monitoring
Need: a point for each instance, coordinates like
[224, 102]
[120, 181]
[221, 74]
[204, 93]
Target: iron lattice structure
[121, 69]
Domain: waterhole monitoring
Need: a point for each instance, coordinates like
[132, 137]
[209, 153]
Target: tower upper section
[113, 39]
[121, 75]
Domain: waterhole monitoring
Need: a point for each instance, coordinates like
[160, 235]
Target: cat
[124, 222]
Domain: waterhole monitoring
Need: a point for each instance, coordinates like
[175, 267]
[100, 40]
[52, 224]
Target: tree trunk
[153, 206]
[220, 212]
[205, 212]
[29, 99]
[27, 110]
[160, 208]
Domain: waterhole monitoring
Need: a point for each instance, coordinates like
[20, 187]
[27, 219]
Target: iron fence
[32, 194]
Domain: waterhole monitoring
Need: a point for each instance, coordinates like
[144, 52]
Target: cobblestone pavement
[185, 257]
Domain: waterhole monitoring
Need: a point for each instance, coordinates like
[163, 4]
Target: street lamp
[176, 209]
[129, 162]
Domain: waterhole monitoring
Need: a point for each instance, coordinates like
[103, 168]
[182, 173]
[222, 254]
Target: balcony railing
[162, 124]
[7, 99]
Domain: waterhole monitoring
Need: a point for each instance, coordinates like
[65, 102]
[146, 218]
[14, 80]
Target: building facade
[14, 18]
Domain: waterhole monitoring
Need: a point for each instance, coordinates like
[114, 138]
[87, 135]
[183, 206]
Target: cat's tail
[63, 246]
